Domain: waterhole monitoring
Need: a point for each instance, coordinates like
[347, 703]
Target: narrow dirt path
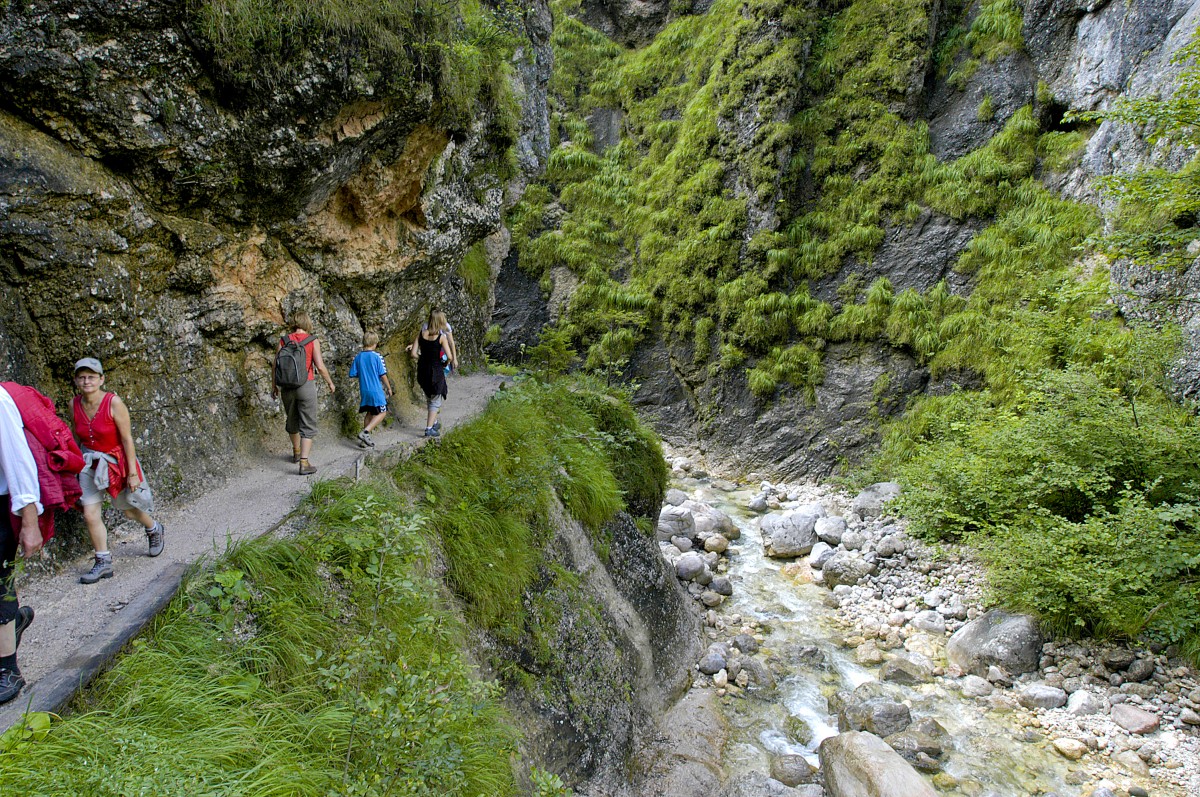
[78, 627]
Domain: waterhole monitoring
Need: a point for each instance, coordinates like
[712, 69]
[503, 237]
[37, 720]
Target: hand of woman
[30, 537]
[132, 482]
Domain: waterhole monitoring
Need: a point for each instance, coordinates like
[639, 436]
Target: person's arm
[415, 348]
[387, 385]
[120, 414]
[274, 386]
[31, 535]
[452, 350]
[20, 471]
[320, 364]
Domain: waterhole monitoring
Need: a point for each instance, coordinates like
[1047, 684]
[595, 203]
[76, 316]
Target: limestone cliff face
[1075, 56]
[165, 213]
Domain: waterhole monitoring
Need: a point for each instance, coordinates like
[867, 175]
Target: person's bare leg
[8, 639]
[431, 419]
[305, 447]
[141, 517]
[296, 450]
[374, 421]
[95, 526]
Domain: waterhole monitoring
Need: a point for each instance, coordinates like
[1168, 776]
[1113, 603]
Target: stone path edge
[55, 691]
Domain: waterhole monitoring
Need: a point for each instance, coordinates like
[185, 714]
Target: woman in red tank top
[103, 430]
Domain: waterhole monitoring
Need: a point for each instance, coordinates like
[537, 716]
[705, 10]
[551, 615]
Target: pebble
[1070, 748]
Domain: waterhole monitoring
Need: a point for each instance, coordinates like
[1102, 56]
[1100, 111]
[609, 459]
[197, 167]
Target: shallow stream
[987, 753]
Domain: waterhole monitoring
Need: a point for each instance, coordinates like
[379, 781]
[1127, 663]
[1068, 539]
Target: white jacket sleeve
[19, 477]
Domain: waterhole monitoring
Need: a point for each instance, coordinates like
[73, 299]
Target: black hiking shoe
[11, 684]
[24, 618]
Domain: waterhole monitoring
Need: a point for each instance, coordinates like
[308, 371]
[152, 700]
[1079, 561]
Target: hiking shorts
[94, 495]
[434, 403]
[300, 404]
[371, 409]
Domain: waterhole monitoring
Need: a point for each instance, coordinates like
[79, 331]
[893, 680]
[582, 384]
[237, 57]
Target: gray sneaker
[365, 439]
[154, 536]
[101, 568]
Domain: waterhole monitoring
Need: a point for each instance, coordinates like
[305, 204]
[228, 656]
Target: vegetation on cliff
[767, 148]
[330, 661]
[458, 52]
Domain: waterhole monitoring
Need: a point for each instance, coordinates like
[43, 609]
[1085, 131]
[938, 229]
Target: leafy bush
[1128, 571]
[1073, 492]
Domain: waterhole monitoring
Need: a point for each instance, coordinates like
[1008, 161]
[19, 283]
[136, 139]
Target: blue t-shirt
[368, 367]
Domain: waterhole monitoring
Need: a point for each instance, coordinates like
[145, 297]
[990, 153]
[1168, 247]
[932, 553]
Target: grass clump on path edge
[329, 662]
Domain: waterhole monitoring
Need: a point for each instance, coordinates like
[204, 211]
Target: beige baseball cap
[90, 363]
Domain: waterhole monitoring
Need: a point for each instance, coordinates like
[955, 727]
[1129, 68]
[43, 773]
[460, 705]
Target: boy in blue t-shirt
[368, 366]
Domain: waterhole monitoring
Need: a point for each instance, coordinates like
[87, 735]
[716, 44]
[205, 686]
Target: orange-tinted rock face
[165, 213]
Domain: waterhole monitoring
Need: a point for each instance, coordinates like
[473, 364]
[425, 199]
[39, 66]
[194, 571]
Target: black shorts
[372, 410]
[8, 557]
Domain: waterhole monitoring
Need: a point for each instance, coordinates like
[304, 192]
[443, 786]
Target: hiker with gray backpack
[293, 376]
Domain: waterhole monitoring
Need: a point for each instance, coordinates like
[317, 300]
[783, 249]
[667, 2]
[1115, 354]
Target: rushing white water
[986, 753]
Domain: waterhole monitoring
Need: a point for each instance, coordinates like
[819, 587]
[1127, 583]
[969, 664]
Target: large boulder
[869, 503]
[1134, 719]
[879, 715]
[676, 521]
[847, 568]
[860, 764]
[710, 519]
[787, 535]
[998, 638]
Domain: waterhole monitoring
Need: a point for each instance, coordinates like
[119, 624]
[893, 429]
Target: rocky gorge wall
[1053, 59]
[165, 211]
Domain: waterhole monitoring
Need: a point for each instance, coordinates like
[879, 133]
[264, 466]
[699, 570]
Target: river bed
[991, 749]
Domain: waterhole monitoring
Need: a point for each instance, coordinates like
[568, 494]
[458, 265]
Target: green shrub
[1071, 490]
[1130, 571]
[476, 273]
[1067, 446]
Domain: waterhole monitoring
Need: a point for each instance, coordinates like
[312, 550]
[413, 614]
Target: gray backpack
[291, 363]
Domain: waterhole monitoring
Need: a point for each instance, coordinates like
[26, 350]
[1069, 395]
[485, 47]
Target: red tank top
[99, 433]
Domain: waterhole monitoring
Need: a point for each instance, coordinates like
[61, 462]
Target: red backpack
[39, 417]
[54, 450]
